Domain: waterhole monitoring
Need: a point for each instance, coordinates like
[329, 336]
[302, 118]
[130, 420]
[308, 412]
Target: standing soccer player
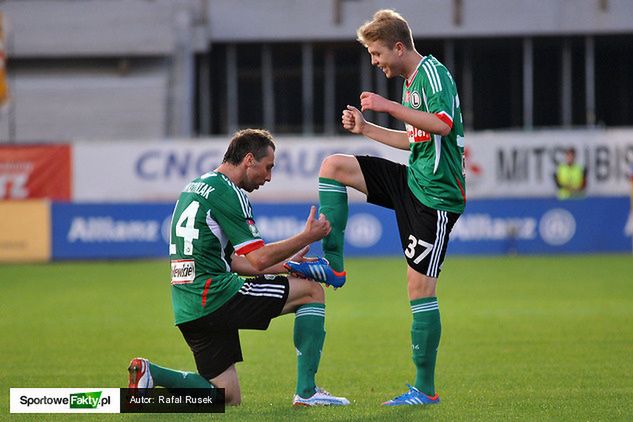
[214, 241]
[428, 195]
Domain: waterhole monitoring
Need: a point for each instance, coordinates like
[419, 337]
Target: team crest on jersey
[416, 101]
[253, 228]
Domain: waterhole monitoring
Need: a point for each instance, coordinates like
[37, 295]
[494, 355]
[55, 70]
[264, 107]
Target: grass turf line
[523, 338]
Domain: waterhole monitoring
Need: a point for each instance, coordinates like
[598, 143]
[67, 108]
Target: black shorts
[423, 231]
[214, 339]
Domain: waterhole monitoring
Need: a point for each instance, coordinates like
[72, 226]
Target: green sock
[425, 338]
[171, 378]
[333, 203]
[309, 336]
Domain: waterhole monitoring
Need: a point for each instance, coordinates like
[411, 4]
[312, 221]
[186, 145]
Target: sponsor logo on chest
[417, 135]
[183, 271]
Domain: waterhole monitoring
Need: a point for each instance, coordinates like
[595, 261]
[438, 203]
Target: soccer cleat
[320, 398]
[140, 377]
[318, 270]
[412, 397]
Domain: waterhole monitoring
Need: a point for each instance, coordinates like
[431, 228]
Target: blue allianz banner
[543, 226]
[125, 230]
[105, 231]
[504, 226]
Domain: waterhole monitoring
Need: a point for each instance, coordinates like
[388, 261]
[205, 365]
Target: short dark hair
[255, 141]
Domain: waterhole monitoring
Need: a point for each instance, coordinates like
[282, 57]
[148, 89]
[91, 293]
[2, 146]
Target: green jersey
[213, 218]
[436, 163]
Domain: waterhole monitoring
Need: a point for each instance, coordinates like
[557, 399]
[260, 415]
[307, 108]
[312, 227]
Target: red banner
[35, 171]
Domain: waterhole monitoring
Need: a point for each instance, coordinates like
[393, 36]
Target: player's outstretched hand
[315, 228]
[353, 120]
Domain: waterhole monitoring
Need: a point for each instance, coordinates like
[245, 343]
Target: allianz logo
[555, 227]
[486, 227]
[107, 229]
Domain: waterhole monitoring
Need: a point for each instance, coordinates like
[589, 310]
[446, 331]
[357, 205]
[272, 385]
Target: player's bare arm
[354, 122]
[416, 118]
[241, 265]
[272, 254]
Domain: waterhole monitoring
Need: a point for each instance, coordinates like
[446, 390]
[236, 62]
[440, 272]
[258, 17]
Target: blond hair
[387, 26]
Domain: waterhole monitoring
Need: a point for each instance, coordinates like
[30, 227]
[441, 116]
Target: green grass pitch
[524, 338]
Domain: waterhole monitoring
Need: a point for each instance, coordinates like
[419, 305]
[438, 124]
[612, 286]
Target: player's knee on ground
[232, 394]
[229, 382]
[232, 399]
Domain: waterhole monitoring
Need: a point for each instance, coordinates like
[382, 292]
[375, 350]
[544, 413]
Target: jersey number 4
[410, 252]
[185, 228]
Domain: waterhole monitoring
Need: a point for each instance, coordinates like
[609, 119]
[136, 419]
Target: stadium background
[113, 106]
[125, 101]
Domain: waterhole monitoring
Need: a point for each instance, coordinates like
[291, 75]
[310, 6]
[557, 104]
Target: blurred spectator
[570, 177]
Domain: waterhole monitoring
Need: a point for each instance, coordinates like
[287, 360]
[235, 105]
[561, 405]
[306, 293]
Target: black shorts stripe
[438, 246]
[270, 290]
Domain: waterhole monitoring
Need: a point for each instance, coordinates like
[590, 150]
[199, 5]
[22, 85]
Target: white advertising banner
[158, 171]
[499, 164]
[522, 164]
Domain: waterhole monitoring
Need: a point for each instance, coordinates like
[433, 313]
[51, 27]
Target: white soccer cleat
[320, 398]
[140, 377]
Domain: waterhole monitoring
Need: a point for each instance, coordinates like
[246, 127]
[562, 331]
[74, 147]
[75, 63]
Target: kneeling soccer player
[214, 241]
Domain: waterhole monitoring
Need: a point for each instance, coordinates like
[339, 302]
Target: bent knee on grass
[232, 394]
[232, 401]
[230, 383]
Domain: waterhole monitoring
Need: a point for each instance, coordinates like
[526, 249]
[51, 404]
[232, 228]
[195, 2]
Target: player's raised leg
[306, 299]
[337, 172]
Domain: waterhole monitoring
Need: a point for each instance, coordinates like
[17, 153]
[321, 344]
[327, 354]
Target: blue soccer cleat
[413, 397]
[318, 270]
